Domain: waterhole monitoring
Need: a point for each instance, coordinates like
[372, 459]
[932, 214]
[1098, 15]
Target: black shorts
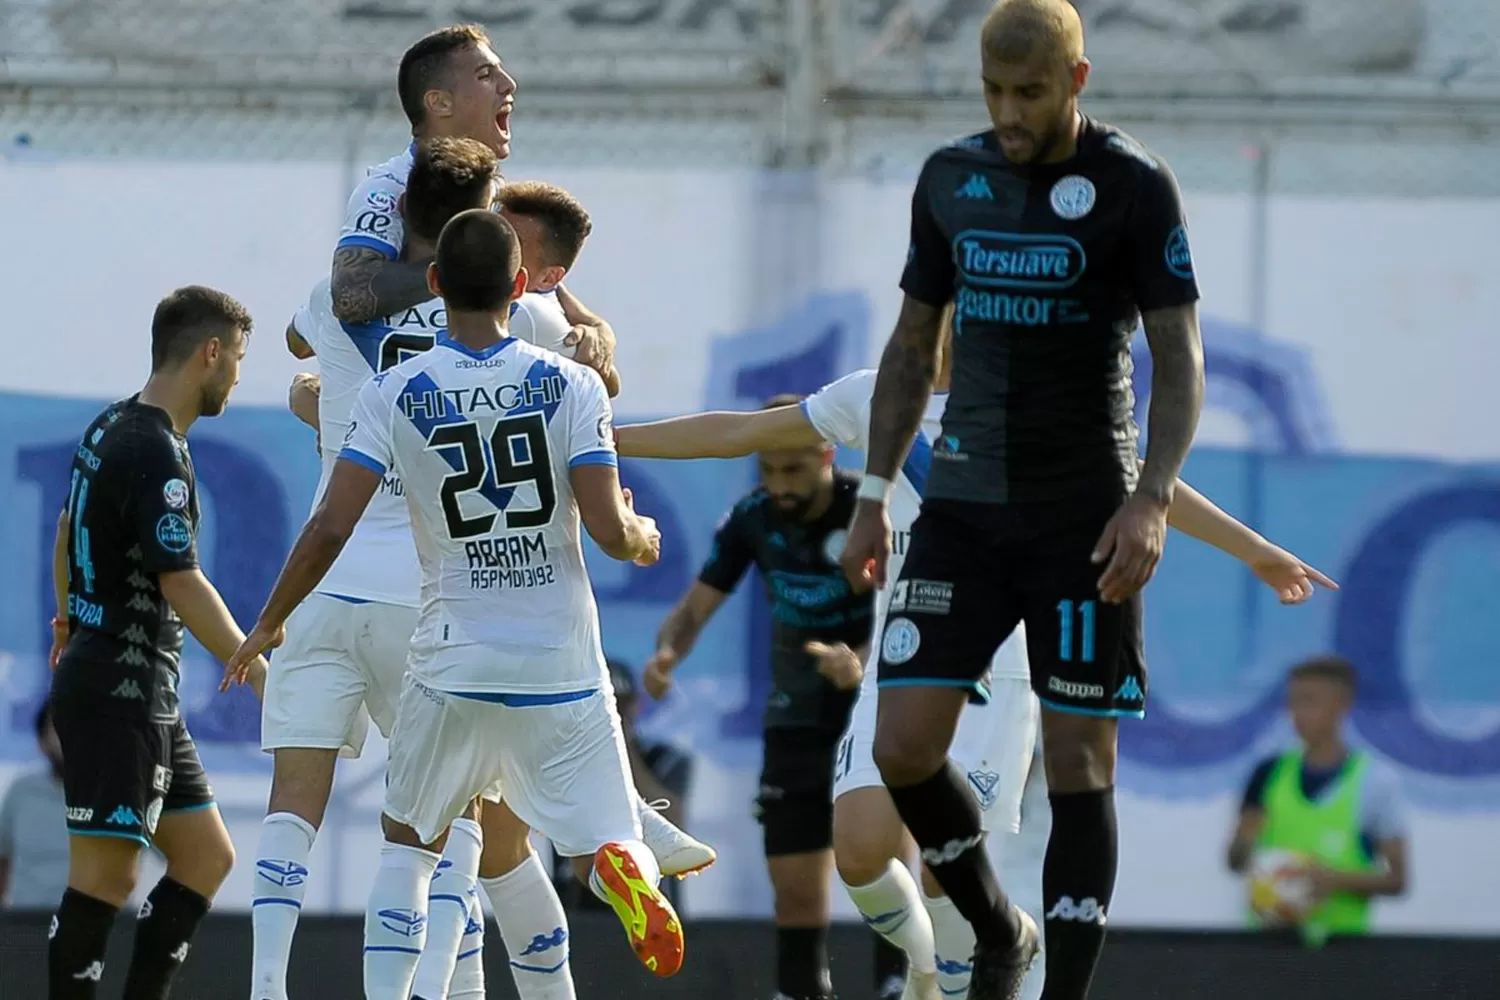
[974, 571]
[795, 805]
[121, 775]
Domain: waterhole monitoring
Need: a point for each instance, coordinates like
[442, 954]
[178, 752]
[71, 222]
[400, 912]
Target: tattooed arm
[1176, 397]
[903, 386]
[368, 285]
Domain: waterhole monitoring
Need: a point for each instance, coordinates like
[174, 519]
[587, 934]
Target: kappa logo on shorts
[1073, 689]
[1130, 691]
[901, 641]
[123, 816]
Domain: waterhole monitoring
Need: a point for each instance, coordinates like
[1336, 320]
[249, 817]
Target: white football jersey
[372, 218]
[840, 411]
[484, 443]
[379, 563]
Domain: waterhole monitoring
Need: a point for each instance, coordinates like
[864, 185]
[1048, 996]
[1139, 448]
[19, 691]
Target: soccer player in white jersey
[347, 644]
[995, 743]
[450, 83]
[502, 448]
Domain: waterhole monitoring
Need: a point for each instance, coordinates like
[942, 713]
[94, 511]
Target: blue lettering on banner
[1411, 542]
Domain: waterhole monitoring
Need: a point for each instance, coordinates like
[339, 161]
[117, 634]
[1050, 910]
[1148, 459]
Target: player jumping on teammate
[451, 83]
[347, 644]
[502, 448]
[1053, 235]
[993, 744]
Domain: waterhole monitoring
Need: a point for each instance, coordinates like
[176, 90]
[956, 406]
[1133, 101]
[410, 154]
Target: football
[1280, 893]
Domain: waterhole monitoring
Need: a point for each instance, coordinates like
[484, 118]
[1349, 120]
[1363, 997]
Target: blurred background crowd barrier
[748, 164]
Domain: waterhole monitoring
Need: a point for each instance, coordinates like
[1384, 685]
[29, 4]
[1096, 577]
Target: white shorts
[993, 746]
[340, 667]
[562, 769]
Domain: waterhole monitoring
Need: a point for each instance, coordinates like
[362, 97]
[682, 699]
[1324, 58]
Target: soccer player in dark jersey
[128, 581]
[792, 529]
[1053, 235]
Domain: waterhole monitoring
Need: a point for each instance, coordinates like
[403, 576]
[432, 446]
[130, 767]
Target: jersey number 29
[515, 453]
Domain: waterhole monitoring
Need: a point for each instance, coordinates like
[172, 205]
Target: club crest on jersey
[833, 546]
[901, 641]
[1072, 197]
[174, 492]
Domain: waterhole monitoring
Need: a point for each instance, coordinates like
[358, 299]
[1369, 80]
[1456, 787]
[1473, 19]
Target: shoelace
[659, 804]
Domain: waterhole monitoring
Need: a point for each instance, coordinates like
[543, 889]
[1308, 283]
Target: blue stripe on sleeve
[360, 458]
[370, 243]
[600, 457]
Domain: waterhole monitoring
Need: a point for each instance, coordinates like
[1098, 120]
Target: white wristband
[874, 488]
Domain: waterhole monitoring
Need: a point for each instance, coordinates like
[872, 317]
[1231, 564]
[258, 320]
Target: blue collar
[488, 352]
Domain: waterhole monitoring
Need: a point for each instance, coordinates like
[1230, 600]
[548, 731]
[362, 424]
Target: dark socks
[1078, 880]
[943, 818]
[75, 952]
[163, 935]
[802, 963]
[890, 962]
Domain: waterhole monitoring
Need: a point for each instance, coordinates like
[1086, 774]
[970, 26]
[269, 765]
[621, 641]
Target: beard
[792, 507]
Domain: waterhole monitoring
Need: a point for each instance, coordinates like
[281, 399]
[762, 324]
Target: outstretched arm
[721, 434]
[1195, 515]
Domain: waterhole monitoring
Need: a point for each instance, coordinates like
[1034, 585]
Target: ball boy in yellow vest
[1338, 807]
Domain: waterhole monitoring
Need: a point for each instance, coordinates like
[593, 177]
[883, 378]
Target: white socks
[468, 975]
[396, 921]
[892, 906]
[449, 904]
[276, 891]
[534, 929]
[955, 945]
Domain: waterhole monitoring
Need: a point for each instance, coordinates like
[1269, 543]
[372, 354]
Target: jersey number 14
[515, 453]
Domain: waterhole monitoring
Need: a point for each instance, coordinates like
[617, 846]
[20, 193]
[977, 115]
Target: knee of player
[216, 860]
[904, 758]
[502, 855]
[801, 902]
[862, 849]
[1078, 761]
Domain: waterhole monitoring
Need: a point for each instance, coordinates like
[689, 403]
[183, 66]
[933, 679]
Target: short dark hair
[781, 399]
[1329, 667]
[189, 316]
[478, 258]
[564, 218]
[43, 717]
[425, 63]
[447, 176]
